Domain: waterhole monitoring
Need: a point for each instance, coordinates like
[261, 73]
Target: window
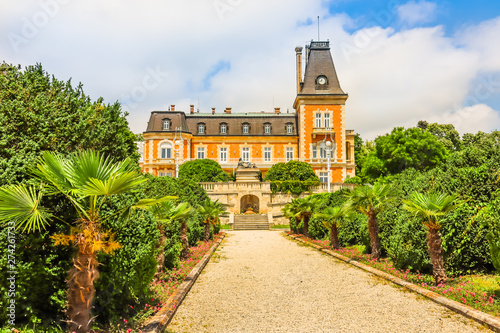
[223, 155]
[223, 129]
[318, 120]
[348, 151]
[165, 174]
[201, 153]
[314, 152]
[289, 129]
[267, 128]
[166, 150]
[323, 177]
[166, 124]
[246, 129]
[201, 128]
[267, 154]
[327, 120]
[289, 154]
[322, 152]
[246, 154]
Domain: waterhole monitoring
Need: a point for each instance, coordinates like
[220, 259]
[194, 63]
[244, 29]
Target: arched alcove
[249, 201]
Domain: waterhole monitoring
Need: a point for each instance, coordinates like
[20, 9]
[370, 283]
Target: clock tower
[323, 139]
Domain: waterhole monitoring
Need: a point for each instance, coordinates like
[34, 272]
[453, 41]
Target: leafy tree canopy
[40, 113]
[293, 176]
[203, 170]
[445, 133]
[402, 149]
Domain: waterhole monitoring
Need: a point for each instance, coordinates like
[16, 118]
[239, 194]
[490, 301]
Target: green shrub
[292, 177]
[125, 275]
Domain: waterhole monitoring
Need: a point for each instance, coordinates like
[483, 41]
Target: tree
[303, 209]
[446, 134]
[402, 149]
[210, 210]
[182, 212]
[291, 177]
[203, 170]
[85, 179]
[428, 207]
[332, 217]
[371, 201]
[40, 113]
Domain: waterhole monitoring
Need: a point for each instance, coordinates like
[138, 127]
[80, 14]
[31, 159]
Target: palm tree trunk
[334, 237]
[161, 256]
[81, 290]
[436, 253]
[374, 231]
[207, 230]
[184, 241]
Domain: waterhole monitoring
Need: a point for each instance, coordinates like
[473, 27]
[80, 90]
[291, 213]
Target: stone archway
[249, 201]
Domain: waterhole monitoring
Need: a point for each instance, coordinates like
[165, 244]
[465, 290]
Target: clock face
[322, 80]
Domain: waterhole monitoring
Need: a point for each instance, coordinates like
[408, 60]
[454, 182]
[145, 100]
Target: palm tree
[86, 179]
[332, 217]
[428, 207]
[371, 201]
[210, 210]
[303, 209]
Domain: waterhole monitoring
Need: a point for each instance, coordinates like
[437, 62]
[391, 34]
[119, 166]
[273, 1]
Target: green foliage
[292, 177]
[490, 217]
[203, 170]
[402, 149]
[186, 190]
[40, 280]
[40, 113]
[125, 275]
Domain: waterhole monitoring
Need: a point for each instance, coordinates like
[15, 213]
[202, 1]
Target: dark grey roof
[234, 123]
[320, 62]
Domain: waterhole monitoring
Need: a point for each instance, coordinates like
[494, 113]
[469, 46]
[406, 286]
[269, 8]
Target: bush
[291, 177]
[125, 275]
[203, 170]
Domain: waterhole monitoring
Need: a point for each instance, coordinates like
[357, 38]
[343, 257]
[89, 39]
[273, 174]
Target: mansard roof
[320, 62]
[234, 123]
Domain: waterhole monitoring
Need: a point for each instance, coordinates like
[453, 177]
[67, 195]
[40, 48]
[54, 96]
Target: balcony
[322, 131]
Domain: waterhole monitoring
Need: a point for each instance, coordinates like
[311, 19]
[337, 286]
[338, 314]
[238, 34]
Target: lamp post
[329, 146]
[178, 143]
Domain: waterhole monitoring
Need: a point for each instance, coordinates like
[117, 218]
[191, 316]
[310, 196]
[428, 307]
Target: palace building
[315, 133]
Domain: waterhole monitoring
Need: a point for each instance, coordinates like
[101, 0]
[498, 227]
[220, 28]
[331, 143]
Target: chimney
[172, 107]
[213, 110]
[227, 110]
[277, 110]
[298, 52]
[191, 109]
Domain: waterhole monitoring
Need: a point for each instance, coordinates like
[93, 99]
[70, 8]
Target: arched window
[165, 150]
[245, 128]
[267, 128]
[201, 128]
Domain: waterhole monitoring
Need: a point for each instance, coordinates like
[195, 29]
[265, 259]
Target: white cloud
[471, 119]
[417, 12]
[394, 78]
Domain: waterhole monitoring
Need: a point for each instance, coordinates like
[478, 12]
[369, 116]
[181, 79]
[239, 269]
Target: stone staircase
[251, 222]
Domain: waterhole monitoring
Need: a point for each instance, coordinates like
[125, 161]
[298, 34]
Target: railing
[323, 130]
[264, 186]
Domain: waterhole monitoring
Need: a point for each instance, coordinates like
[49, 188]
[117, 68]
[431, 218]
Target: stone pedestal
[247, 175]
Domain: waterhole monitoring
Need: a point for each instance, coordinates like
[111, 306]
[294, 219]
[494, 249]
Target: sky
[399, 61]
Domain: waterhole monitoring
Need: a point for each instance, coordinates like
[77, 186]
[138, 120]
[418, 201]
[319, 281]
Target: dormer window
[289, 128]
[245, 128]
[201, 128]
[166, 124]
[223, 128]
[267, 128]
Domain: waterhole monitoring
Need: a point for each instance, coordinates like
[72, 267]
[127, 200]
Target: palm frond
[117, 183]
[21, 205]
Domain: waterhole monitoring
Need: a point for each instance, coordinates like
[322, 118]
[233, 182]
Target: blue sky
[400, 61]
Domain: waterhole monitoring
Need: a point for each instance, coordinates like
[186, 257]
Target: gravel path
[259, 281]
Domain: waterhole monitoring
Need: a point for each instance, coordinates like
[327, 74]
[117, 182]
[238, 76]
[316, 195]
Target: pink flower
[124, 320]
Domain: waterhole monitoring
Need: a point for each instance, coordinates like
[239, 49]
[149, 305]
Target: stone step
[251, 227]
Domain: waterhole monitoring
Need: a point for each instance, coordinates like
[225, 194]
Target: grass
[481, 292]
[280, 226]
[225, 227]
